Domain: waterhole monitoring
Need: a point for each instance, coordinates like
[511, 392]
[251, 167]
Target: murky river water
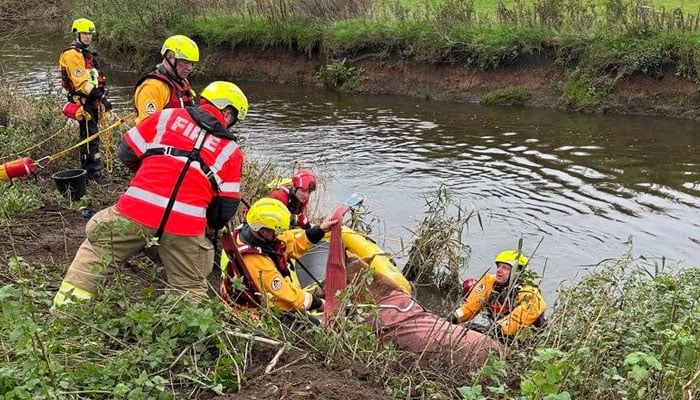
[583, 185]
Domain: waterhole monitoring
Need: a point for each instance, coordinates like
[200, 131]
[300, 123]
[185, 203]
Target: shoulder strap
[193, 155]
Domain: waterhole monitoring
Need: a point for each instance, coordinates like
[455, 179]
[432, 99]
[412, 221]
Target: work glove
[107, 104]
[81, 115]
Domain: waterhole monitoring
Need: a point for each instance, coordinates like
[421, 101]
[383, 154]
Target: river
[583, 187]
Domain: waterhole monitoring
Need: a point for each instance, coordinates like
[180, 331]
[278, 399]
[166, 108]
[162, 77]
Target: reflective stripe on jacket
[149, 191]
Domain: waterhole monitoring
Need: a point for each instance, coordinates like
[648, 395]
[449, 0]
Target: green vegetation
[508, 96]
[599, 42]
[626, 331]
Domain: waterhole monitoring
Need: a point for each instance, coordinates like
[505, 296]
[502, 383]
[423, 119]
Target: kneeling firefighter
[259, 251]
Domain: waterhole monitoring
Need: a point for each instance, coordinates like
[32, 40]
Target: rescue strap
[45, 161]
[193, 155]
[171, 151]
[335, 266]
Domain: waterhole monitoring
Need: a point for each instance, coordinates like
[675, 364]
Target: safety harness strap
[194, 154]
[171, 151]
[236, 266]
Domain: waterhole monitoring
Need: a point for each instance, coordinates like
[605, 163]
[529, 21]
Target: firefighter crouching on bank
[264, 245]
[188, 170]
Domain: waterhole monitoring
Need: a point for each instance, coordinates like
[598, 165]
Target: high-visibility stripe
[162, 201]
[67, 292]
[135, 135]
[230, 187]
[161, 127]
[308, 299]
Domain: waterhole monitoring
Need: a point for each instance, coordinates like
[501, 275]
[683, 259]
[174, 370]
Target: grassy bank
[629, 330]
[598, 43]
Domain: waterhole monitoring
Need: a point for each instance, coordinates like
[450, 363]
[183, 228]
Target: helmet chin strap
[77, 39]
[173, 66]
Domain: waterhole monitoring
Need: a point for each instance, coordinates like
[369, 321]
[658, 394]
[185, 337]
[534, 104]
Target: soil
[48, 238]
[51, 235]
[666, 96]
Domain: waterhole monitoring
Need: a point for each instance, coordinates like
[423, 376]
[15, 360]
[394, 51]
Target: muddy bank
[540, 78]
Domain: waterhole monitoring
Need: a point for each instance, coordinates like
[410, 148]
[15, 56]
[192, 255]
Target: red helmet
[467, 285]
[304, 179]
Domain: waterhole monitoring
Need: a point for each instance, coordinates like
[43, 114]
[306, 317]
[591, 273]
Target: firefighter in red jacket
[188, 175]
[82, 79]
[265, 245]
[167, 85]
[296, 196]
[510, 303]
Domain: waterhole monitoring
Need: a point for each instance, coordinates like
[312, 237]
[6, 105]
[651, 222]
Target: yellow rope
[106, 139]
[92, 137]
[26, 151]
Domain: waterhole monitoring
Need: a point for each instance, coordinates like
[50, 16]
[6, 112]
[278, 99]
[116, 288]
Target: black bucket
[71, 183]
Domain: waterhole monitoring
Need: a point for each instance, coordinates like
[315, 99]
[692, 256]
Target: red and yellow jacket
[521, 309]
[158, 91]
[80, 71]
[155, 150]
[266, 273]
[297, 208]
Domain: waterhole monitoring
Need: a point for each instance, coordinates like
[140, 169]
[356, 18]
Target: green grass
[489, 6]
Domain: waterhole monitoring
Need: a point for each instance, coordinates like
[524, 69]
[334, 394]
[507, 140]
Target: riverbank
[588, 57]
[541, 82]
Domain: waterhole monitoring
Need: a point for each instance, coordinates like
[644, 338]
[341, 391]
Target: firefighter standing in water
[510, 303]
[82, 79]
[166, 86]
[295, 196]
[265, 245]
[188, 175]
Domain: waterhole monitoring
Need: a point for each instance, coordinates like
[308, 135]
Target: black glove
[107, 104]
[96, 94]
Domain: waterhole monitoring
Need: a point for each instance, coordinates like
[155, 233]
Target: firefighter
[82, 79]
[510, 303]
[166, 86]
[188, 170]
[265, 245]
[295, 196]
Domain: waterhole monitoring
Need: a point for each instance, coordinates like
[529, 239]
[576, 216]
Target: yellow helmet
[268, 213]
[512, 258]
[223, 94]
[183, 47]
[83, 25]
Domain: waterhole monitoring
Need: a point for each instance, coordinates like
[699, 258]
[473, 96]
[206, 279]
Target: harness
[501, 303]
[91, 62]
[180, 91]
[235, 245]
[206, 122]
